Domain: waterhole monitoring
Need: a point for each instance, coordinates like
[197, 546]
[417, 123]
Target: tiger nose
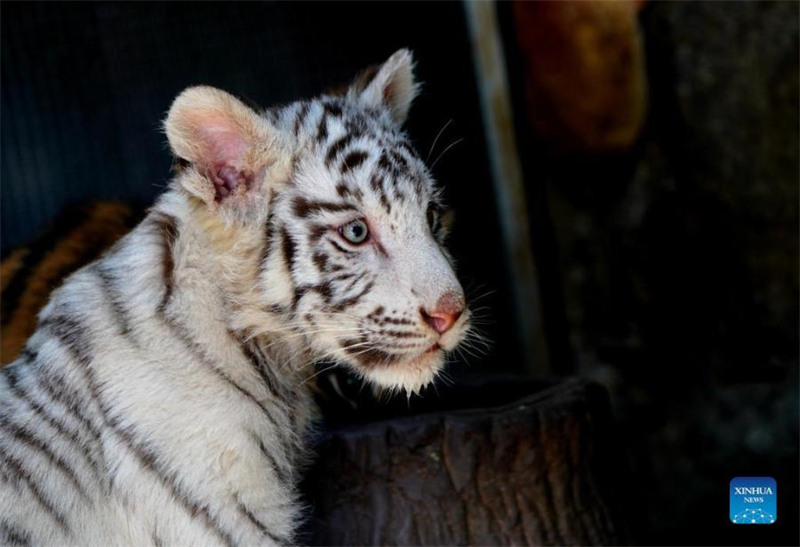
[445, 313]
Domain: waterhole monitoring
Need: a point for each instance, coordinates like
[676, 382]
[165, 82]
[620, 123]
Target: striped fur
[29, 274]
[163, 399]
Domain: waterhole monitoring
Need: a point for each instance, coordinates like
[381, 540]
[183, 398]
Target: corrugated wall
[85, 86]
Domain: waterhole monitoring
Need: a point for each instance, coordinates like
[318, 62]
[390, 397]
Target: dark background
[85, 87]
[669, 271]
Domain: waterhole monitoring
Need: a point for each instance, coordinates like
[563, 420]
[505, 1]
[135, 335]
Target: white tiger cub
[162, 399]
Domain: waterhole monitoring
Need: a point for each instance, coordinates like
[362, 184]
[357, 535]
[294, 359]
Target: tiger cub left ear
[225, 141]
[390, 86]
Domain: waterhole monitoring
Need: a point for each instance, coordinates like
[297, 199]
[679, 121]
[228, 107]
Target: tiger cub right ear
[226, 141]
[391, 86]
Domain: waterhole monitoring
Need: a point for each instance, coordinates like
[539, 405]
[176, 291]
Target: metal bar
[509, 184]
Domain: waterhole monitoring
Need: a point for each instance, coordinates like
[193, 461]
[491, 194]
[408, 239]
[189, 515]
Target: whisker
[439, 134]
[334, 365]
[445, 151]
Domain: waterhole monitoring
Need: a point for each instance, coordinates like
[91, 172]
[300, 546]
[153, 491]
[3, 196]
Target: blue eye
[355, 232]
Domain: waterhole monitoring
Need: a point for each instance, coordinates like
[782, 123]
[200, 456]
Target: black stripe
[315, 232]
[55, 391]
[277, 309]
[149, 461]
[405, 145]
[400, 161]
[280, 473]
[342, 189]
[21, 473]
[342, 277]
[386, 204]
[387, 165]
[12, 375]
[377, 183]
[320, 260]
[9, 535]
[261, 527]
[400, 334]
[288, 247]
[261, 368]
[344, 304]
[323, 289]
[269, 231]
[332, 109]
[259, 361]
[340, 248]
[27, 355]
[394, 321]
[73, 337]
[352, 283]
[71, 334]
[109, 286]
[272, 115]
[269, 235]
[179, 332]
[369, 356]
[62, 429]
[303, 208]
[5, 476]
[167, 229]
[300, 117]
[353, 160]
[337, 148]
[357, 124]
[322, 128]
[27, 437]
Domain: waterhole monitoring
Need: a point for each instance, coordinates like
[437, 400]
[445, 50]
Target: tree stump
[491, 462]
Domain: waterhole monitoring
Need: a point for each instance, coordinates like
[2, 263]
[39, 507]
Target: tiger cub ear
[225, 141]
[390, 86]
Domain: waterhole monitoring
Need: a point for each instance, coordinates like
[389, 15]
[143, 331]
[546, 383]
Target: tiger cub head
[351, 224]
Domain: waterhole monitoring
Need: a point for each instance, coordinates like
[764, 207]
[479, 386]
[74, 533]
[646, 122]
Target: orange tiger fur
[29, 274]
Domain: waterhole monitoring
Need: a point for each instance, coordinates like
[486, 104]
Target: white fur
[153, 423]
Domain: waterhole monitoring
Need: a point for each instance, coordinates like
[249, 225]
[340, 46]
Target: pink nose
[445, 313]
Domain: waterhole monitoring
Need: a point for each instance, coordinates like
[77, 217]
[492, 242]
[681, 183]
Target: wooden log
[504, 462]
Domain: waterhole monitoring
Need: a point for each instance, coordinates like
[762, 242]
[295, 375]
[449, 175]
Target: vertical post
[509, 185]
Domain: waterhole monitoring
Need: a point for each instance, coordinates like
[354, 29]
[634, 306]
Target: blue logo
[754, 500]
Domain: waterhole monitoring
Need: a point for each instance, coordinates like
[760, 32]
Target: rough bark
[544, 467]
